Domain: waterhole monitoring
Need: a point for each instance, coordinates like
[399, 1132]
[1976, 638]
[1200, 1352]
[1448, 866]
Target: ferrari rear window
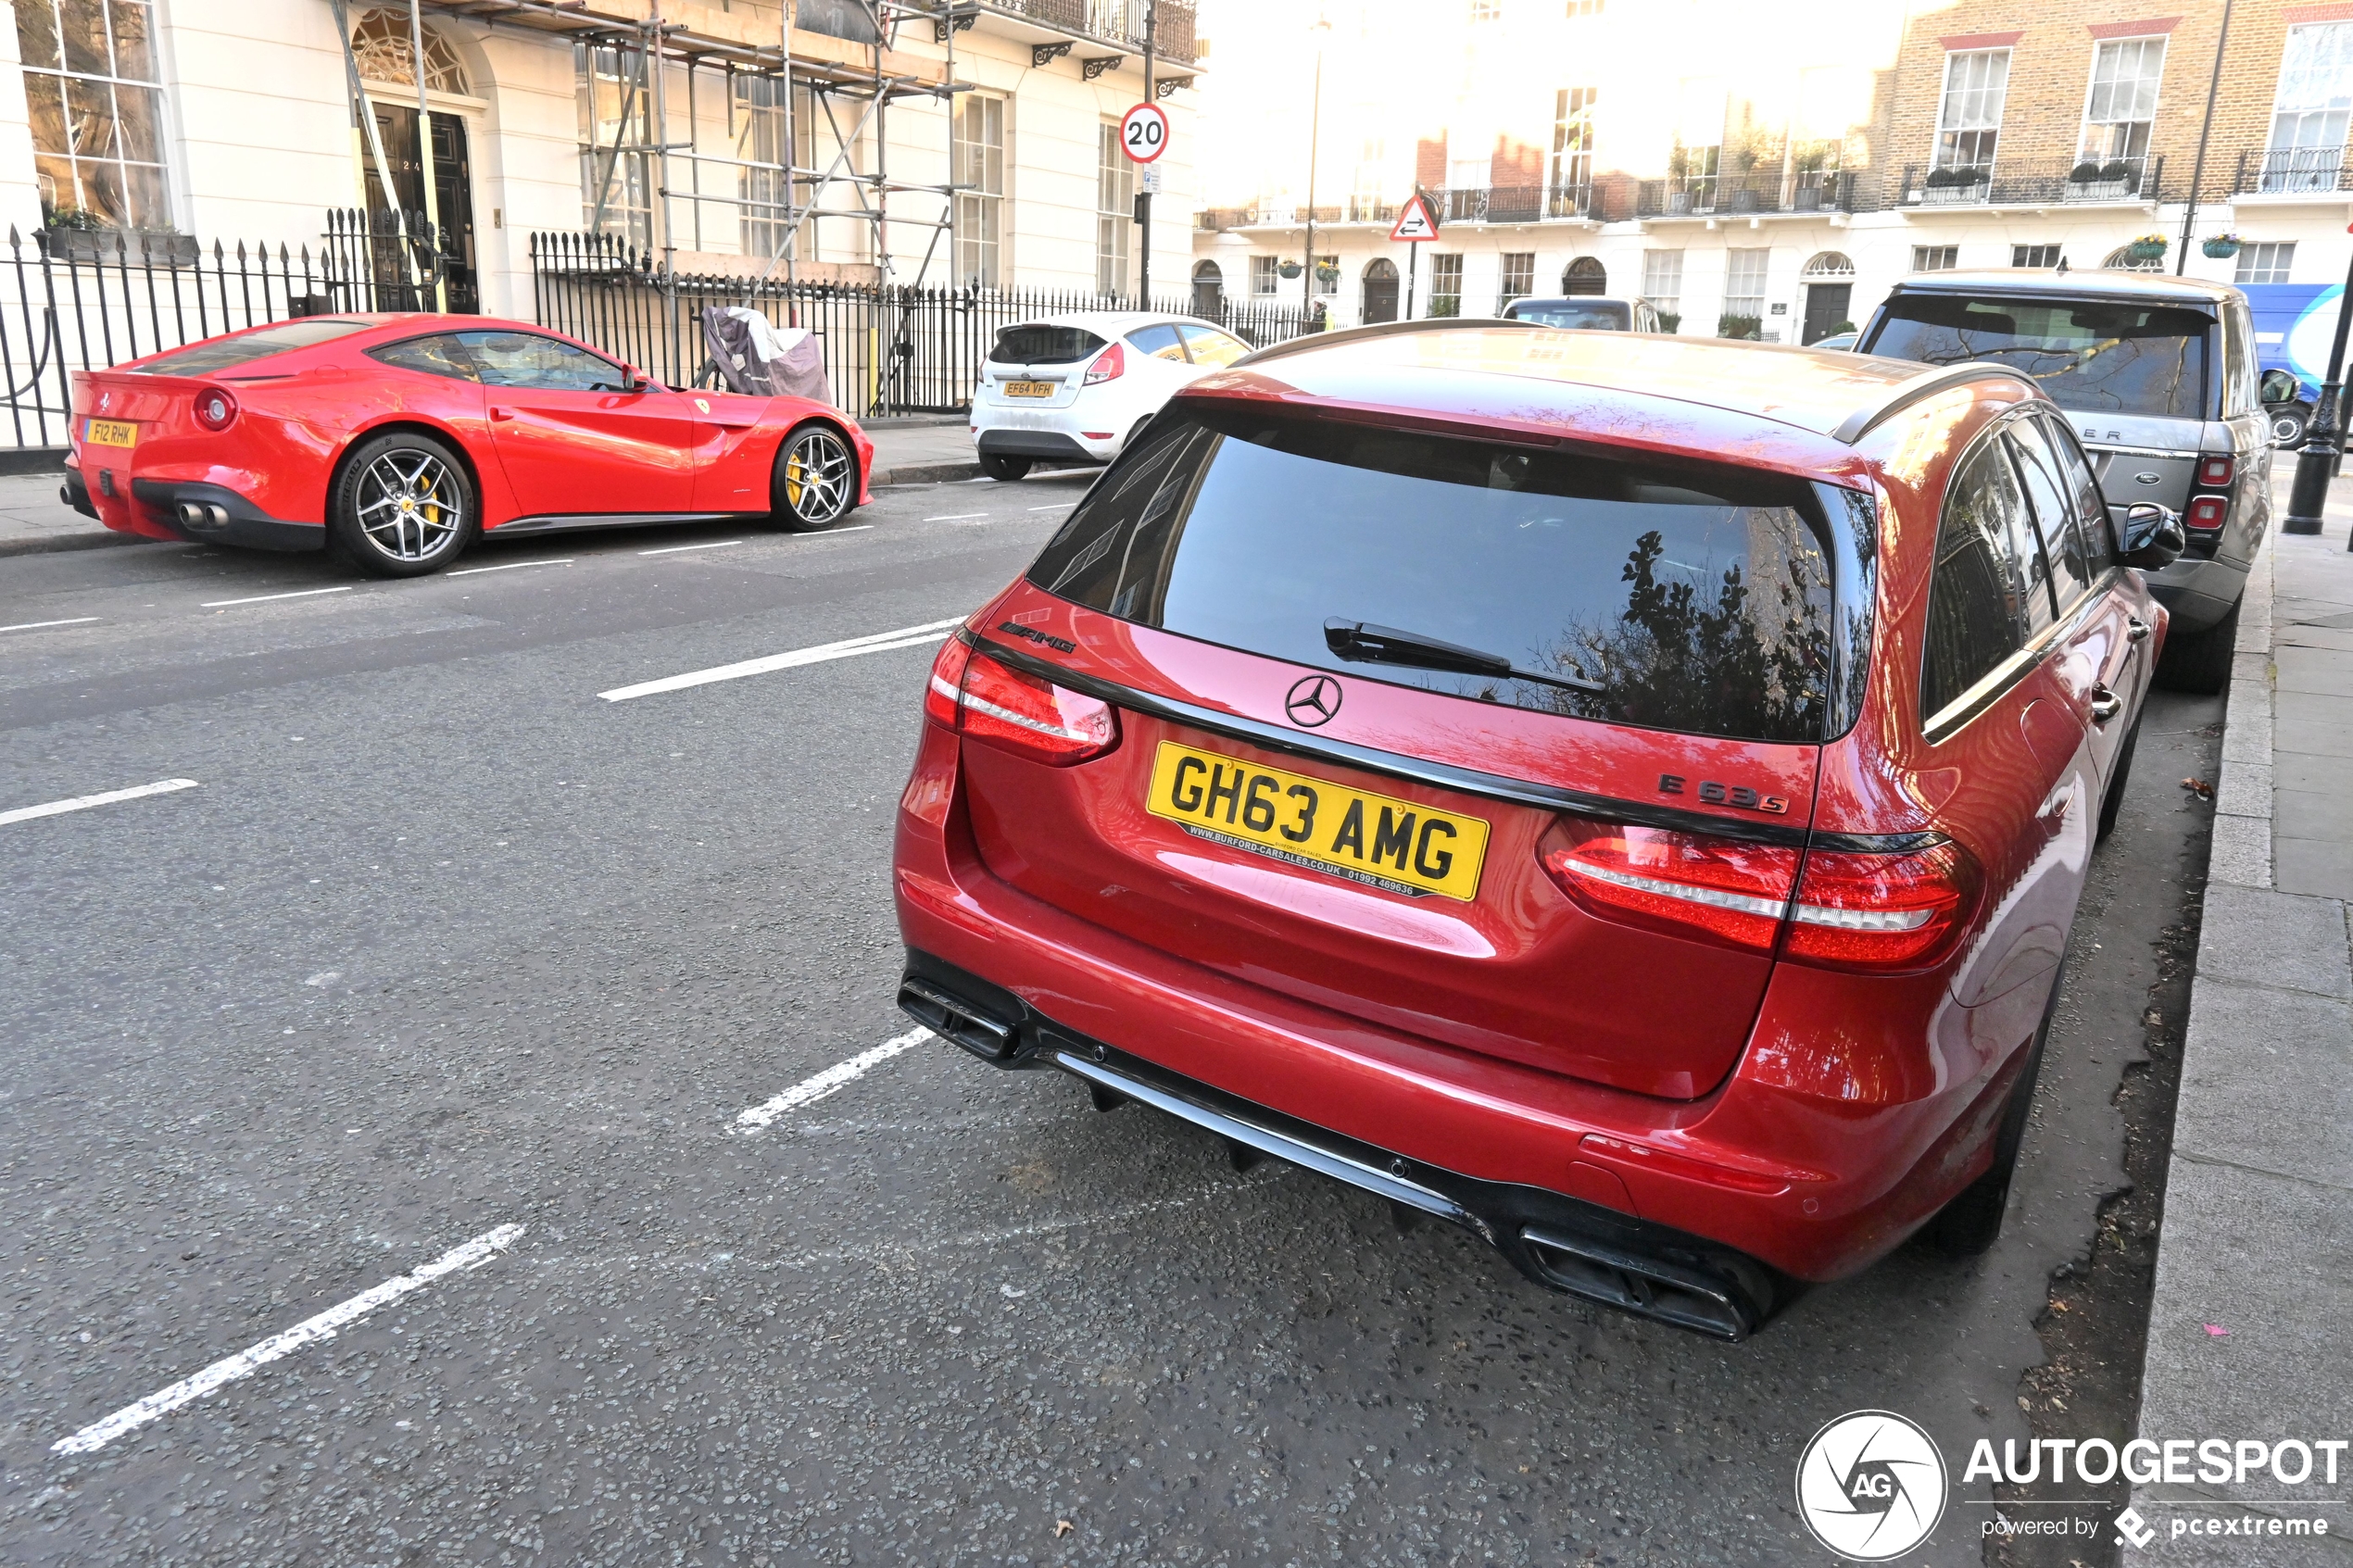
[227, 353]
[1703, 599]
[1041, 345]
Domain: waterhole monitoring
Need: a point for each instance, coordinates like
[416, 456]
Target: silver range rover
[2158, 378]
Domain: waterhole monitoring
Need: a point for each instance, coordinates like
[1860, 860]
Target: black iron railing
[2288, 171]
[80, 299]
[888, 349]
[1695, 195]
[2034, 182]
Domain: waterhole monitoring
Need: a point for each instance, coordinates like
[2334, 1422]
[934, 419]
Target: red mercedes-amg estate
[399, 440]
[1627, 798]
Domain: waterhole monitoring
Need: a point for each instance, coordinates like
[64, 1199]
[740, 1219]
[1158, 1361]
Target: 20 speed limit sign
[1143, 132]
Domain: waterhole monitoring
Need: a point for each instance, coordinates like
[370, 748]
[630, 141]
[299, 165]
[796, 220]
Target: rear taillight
[1108, 366]
[1865, 911]
[2214, 473]
[976, 696]
[1736, 893]
[215, 409]
[2207, 511]
[1881, 912]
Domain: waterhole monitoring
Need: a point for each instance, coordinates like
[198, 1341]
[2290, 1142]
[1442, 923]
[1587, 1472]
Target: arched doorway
[2120, 260]
[1380, 291]
[388, 71]
[1209, 290]
[1585, 275]
[1829, 295]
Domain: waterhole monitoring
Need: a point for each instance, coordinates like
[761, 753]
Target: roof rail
[1904, 393]
[1306, 340]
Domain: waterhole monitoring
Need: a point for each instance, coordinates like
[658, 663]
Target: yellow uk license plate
[1374, 839]
[1030, 389]
[111, 432]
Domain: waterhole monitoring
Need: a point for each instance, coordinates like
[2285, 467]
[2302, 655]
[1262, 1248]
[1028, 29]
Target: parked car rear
[2160, 379]
[1073, 388]
[1624, 797]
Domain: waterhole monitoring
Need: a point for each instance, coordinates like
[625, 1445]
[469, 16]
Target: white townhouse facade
[992, 158]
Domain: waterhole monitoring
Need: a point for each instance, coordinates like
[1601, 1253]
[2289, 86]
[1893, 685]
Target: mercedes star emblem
[1312, 701]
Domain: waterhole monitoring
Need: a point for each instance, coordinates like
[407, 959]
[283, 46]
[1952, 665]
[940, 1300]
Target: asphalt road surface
[444, 948]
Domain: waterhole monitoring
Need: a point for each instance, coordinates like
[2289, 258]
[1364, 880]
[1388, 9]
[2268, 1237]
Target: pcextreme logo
[1870, 1485]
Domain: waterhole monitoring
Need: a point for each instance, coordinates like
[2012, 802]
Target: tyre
[2113, 801]
[2288, 421]
[2200, 662]
[1971, 1223]
[996, 465]
[403, 505]
[816, 480]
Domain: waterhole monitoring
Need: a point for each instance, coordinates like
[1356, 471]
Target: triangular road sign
[1418, 220]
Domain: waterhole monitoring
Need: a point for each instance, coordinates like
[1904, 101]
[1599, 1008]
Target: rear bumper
[2197, 592]
[1814, 1157]
[1053, 443]
[214, 514]
[1581, 1249]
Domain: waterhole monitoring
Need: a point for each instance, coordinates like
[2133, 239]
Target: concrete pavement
[2247, 1333]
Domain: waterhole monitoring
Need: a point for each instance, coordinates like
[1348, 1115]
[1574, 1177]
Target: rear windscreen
[222, 354]
[1043, 345]
[1683, 598]
[2099, 355]
[1605, 315]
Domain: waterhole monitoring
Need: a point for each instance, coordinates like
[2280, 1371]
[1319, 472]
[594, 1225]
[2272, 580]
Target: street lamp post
[1315, 130]
[2316, 463]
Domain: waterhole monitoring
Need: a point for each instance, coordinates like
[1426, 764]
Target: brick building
[1772, 167]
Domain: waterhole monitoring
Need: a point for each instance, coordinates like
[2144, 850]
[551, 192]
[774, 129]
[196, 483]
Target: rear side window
[1982, 606]
[1601, 315]
[2091, 504]
[441, 355]
[1695, 600]
[2110, 357]
[1159, 341]
[2055, 519]
[1209, 346]
[528, 361]
[226, 353]
[1041, 345]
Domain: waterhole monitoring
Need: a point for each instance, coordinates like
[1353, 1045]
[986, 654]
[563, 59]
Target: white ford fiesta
[1071, 388]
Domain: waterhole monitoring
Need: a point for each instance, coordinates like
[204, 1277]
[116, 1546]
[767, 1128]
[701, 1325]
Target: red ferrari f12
[399, 440]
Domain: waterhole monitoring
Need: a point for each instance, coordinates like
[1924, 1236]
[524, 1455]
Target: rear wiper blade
[1362, 641]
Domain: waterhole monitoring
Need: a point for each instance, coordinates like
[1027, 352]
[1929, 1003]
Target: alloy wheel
[410, 504]
[820, 477]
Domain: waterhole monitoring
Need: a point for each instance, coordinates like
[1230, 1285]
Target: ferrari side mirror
[2151, 536]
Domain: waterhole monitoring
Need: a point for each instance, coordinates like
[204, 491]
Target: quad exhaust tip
[1695, 1299]
[203, 515]
[953, 1019]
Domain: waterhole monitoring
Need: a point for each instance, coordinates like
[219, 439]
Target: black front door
[453, 195]
[1826, 307]
[1381, 293]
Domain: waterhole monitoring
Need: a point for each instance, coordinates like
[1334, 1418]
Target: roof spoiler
[1904, 393]
[1306, 340]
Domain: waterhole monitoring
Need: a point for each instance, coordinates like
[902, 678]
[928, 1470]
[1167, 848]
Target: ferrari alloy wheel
[816, 479]
[404, 505]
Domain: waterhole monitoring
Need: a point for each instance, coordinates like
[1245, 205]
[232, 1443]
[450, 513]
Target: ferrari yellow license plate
[1030, 389]
[111, 432]
[1374, 839]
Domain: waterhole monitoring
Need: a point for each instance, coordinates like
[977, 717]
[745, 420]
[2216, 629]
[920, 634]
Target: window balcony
[2035, 182]
[1116, 22]
[2290, 171]
[1713, 195]
[1511, 204]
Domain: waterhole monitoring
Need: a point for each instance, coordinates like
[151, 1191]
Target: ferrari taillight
[1108, 366]
[215, 409]
[983, 700]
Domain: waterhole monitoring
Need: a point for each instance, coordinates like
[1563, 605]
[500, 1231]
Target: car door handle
[502, 414]
[2106, 705]
[2136, 628]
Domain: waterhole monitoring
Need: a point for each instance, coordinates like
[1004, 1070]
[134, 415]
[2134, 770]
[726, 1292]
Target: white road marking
[674, 549]
[84, 802]
[905, 637]
[515, 566]
[839, 1076]
[265, 598]
[956, 517]
[1057, 507]
[857, 528]
[245, 1362]
[36, 625]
